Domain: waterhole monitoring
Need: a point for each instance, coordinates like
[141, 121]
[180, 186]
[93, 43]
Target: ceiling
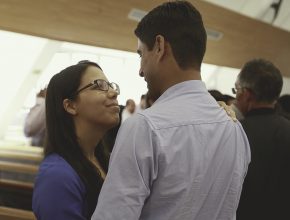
[105, 23]
[259, 10]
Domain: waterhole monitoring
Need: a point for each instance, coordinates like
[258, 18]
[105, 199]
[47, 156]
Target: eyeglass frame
[235, 90]
[95, 82]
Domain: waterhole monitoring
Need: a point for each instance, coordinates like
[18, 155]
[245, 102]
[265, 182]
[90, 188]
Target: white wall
[286, 86]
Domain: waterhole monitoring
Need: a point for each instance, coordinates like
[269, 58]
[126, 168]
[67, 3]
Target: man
[128, 110]
[266, 190]
[183, 158]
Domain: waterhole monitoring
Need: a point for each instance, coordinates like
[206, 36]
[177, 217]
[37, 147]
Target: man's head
[258, 84]
[170, 36]
[143, 101]
[130, 105]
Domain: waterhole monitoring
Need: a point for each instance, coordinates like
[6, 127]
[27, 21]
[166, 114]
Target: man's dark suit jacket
[266, 189]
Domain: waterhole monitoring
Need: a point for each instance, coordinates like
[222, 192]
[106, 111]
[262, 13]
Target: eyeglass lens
[102, 84]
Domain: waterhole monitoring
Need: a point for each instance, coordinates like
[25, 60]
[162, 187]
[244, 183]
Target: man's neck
[181, 76]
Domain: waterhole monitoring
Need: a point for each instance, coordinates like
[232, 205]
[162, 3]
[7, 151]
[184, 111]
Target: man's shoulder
[269, 129]
[260, 120]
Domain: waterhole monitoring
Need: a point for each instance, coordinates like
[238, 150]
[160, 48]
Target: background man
[266, 189]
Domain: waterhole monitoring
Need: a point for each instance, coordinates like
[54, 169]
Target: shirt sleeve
[35, 120]
[132, 170]
[59, 195]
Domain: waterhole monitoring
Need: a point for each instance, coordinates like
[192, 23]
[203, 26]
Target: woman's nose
[113, 93]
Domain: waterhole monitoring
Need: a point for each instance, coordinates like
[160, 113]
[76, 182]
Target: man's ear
[250, 96]
[250, 99]
[159, 47]
[70, 106]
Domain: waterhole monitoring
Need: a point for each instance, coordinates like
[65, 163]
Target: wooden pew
[23, 153]
[16, 194]
[18, 167]
[15, 214]
[27, 149]
[20, 156]
[16, 184]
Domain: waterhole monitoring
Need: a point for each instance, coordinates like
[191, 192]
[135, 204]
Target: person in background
[228, 99]
[142, 105]
[266, 190]
[34, 126]
[81, 106]
[182, 158]
[129, 109]
[149, 100]
[217, 95]
[283, 106]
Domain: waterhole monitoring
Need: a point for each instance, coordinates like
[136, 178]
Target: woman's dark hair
[61, 135]
[217, 95]
[109, 138]
[180, 23]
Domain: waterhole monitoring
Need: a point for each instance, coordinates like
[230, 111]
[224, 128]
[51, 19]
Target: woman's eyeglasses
[100, 84]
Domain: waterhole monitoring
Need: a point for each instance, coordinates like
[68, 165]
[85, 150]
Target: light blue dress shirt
[181, 159]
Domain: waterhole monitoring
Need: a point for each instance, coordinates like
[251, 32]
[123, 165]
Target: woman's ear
[70, 106]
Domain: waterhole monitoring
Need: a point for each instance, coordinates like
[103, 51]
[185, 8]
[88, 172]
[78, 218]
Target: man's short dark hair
[263, 78]
[180, 23]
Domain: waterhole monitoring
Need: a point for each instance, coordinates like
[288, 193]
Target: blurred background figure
[128, 110]
[228, 99]
[266, 189]
[218, 96]
[34, 126]
[142, 105]
[283, 106]
[149, 100]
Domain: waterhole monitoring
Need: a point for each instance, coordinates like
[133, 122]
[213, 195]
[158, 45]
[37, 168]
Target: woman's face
[96, 107]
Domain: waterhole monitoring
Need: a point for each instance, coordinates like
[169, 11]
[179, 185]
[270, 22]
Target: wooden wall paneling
[104, 23]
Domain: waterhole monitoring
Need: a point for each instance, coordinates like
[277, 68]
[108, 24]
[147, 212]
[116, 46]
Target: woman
[81, 105]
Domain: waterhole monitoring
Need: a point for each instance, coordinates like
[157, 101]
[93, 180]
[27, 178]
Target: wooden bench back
[15, 214]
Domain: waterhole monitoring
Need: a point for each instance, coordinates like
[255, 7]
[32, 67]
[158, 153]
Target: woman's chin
[114, 121]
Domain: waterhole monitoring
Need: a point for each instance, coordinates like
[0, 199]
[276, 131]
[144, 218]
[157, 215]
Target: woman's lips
[114, 106]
